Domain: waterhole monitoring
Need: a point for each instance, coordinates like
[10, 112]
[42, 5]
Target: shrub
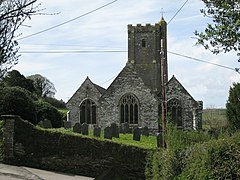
[60, 104]
[169, 163]
[233, 107]
[216, 159]
[17, 101]
[45, 110]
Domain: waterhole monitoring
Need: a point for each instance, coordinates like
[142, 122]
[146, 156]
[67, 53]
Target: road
[8, 172]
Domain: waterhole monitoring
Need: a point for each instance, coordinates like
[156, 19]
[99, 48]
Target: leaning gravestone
[145, 131]
[115, 130]
[121, 129]
[84, 129]
[126, 128]
[96, 131]
[77, 128]
[136, 134]
[67, 125]
[40, 124]
[108, 133]
[47, 124]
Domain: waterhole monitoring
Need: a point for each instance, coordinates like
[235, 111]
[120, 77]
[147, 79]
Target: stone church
[135, 95]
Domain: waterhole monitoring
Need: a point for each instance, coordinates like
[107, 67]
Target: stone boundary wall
[26, 145]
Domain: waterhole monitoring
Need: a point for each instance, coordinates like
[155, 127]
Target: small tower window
[144, 43]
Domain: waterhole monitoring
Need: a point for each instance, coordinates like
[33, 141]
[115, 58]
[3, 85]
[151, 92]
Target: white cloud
[107, 29]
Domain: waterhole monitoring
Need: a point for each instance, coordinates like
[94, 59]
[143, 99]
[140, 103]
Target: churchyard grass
[214, 118]
[126, 139]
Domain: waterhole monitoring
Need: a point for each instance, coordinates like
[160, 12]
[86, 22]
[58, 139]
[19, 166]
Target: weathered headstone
[115, 130]
[130, 130]
[96, 131]
[108, 133]
[67, 125]
[47, 124]
[121, 129]
[85, 129]
[125, 128]
[145, 131]
[136, 134]
[41, 124]
[77, 128]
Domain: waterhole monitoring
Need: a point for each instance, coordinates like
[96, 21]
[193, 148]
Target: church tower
[147, 47]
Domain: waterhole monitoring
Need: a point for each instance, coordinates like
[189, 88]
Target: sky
[106, 29]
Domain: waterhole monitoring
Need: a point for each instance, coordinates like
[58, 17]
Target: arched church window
[174, 109]
[129, 109]
[88, 112]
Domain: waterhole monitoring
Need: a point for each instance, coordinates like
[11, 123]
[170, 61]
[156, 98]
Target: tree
[14, 78]
[17, 101]
[56, 103]
[45, 110]
[43, 87]
[233, 106]
[223, 35]
[12, 14]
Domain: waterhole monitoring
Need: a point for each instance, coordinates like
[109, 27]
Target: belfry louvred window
[88, 112]
[129, 109]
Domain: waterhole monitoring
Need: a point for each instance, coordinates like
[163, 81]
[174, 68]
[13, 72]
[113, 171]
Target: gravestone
[136, 134]
[115, 130]
[96, 131]
[130, 130]
[47, 124]
[145, 131]
[67, 125]
[125, 128]
[108, 133]
[40, 124]
[121, 129]
[159, 140]
[77, 128]
[85, 129]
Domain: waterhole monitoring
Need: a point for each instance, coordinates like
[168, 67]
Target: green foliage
[126, 139]
[178, 139]
[233, 107]
[214, 119]
[15, 79]
[216, 159]
[223, 34]
[45, 110]
[43, 87]
[17, 101]
[169, 163]
[60, 104]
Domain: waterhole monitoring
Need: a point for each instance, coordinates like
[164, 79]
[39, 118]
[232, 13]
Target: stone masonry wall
[129, 82]
[26, 145]
[189, 105]
[87, 90]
